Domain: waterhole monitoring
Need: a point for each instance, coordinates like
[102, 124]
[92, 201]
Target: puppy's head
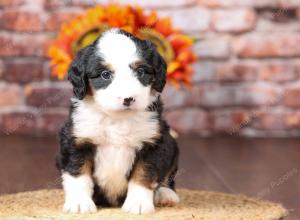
[119, 71]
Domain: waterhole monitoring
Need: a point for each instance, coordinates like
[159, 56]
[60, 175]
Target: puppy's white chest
[112, 166]
[117, 141]
[102, 130]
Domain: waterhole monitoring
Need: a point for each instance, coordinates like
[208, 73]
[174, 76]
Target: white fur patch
[119, 52]
[117, 139]
[78, 194]
[117, 49]
[165, 196]
[112, 163]
[127, 129]
[139, 199]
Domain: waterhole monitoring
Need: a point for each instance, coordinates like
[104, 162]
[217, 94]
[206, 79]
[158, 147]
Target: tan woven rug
[47, 204]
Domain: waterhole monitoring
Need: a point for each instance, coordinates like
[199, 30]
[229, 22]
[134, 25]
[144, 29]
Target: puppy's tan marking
[87, 167]
[81, 141]
[138, 176]
[108, 66]
[137, 64]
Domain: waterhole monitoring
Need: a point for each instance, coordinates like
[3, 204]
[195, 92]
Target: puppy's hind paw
[164, 196]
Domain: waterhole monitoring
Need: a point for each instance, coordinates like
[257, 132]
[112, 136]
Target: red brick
[279, 16]
[278, 72]
[213, 48]
[47, 96]
[10, 95]
[263, 46]
[267, 25]
[234, 20]
[18, 123]
[23, 44]
[144, 3]
[36, 3]
[259, 94]
[237, 72]
[288, 3]
[51, 4]
[57, 18]
[188, 121]
[189, 19]
[23, 71]
[215, 96]
[5, 3]
[51, 122]
[297, 70]
[229, 121]
[292, 120]
[22, 20]
[174, 98]
[159, 3]
[1, 69]
[1, 18]
[268, 120]
[235, 3]
[204, 71]
[208, 96]
[292, 97]
[210, 3]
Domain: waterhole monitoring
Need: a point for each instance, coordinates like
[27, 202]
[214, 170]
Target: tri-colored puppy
[116, 149]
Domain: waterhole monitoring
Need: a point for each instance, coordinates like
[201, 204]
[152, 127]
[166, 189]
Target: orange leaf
[131, 19]
[164, 26]
[180, 42]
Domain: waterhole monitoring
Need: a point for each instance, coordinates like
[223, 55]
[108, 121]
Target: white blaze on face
[119, 51]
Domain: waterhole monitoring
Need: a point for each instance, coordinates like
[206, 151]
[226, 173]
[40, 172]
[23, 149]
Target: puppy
[115, 148]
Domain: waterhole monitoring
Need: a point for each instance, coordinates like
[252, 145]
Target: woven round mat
[47, 204]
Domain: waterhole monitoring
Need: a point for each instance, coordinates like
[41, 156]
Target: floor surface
[265, 168]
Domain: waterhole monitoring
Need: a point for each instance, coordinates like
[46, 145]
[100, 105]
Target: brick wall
[246, 81]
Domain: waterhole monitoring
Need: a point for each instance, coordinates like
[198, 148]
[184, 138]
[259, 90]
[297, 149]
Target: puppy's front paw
[79, 205]
[138, 206]
[139, 200]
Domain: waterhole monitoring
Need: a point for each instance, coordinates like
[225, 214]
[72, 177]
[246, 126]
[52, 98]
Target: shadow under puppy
[115, 148]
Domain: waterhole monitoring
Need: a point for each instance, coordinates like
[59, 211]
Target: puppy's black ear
[77, 73]
[160, 69]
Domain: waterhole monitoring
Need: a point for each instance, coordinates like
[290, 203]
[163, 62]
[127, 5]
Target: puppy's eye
[140, 72]
[106, 75]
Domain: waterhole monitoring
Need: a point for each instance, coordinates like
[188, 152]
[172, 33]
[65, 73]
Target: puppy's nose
[128, 101]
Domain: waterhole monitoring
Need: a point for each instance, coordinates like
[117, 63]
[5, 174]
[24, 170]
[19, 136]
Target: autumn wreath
[172, 44]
